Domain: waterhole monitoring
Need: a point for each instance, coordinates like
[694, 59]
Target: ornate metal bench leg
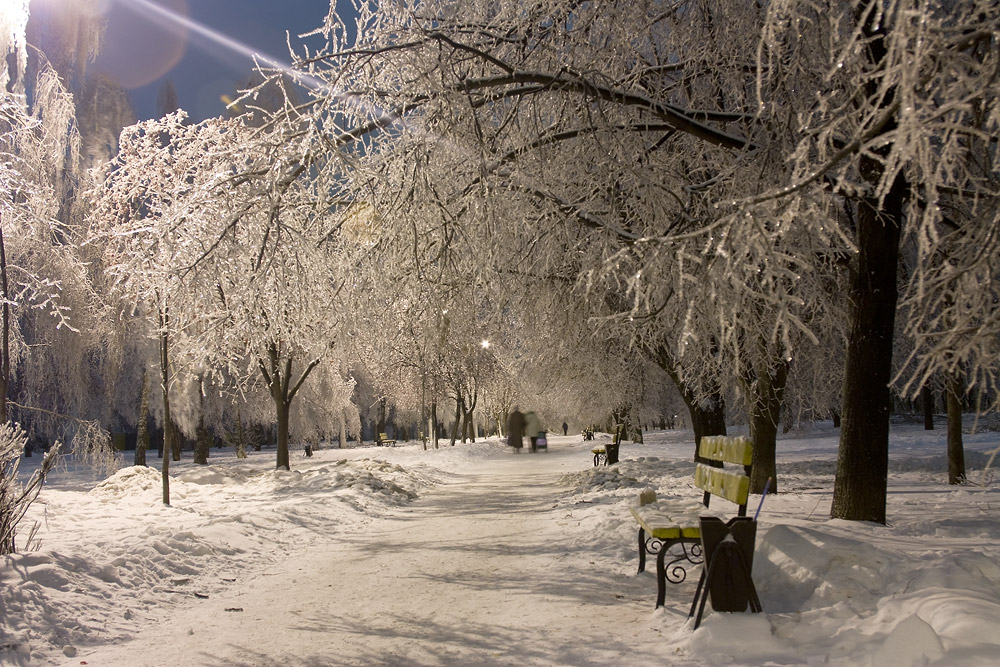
[661, 577]
[642, 549]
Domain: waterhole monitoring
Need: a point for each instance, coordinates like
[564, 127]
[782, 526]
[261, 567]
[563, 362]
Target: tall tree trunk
[434, 420]
[469, 415]
[956, 448]
[142, 426]
[277, 373]
[380, 418]
[459, 404]
[859, 492]
[168, 432]
[765, 414]
[177, 442]
[5, 345]
[241, 440]
[343, 430]
[927, 400]
[282, 409]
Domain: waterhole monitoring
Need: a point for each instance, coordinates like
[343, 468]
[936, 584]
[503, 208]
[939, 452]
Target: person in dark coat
[565, 428]
[515, 429]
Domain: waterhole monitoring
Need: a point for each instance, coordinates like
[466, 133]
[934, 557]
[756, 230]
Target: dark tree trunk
[765, 414]
[863, 460]
[241, 441]
[281, 411]
[956, 448]
[5, 344]
[708, 415]
[142, 427]
[202, 445]
[459, 404]
[434, 420]
[927, 399]
[177, 441]
[168, 433]
[277, 373]
[343, 431]
[380, 418]
[468, 415]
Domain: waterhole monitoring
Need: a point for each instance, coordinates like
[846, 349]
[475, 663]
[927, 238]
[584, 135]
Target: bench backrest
[729, 483]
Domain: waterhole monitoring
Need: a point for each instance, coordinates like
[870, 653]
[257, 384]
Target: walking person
[533, 426]
[565, 428]
[515, 429]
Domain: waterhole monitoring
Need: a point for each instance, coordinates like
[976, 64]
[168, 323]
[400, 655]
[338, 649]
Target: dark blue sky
[143, 48]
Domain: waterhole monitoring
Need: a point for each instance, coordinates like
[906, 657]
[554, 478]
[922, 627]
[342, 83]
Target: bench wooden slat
[667, 520]
[729, 449]
[731, 485]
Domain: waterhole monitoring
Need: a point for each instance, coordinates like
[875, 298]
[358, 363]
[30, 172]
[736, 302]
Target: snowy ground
[475, 555]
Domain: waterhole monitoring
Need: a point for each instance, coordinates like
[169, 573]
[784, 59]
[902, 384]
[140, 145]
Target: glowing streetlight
[485, 343]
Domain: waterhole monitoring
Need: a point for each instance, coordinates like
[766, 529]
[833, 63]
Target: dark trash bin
[726, 577]
[611, 451]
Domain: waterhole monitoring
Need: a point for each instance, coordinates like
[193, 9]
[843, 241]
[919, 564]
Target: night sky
[205, 59]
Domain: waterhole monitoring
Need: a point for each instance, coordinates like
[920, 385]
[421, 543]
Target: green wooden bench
[666, 523]
[384, 440]
[608, 454]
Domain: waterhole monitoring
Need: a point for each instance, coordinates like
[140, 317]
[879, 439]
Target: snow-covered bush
[14, 497]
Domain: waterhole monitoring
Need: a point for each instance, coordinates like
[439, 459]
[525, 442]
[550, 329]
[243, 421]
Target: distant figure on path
[565, 429]
[515, 429]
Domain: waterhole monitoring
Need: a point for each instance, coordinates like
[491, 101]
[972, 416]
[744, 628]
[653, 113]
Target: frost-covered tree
[704, 137]
[217, 227]
[47, 295]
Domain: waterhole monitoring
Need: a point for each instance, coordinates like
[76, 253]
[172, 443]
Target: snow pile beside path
[863, 600]
[224, 521]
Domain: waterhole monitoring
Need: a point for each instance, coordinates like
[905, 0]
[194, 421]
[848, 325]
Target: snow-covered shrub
[15, 498]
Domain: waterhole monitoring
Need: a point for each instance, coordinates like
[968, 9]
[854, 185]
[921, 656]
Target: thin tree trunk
[142, 427]
[765, 414]
[434, 420]
[343, 430]
[380, 418]
[241, 441]
[927, 399]
[178, 441]
[5, 350]
[168, 434]
[459, 404]
[956, 448]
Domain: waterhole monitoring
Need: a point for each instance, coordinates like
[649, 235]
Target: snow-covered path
[469, 573]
